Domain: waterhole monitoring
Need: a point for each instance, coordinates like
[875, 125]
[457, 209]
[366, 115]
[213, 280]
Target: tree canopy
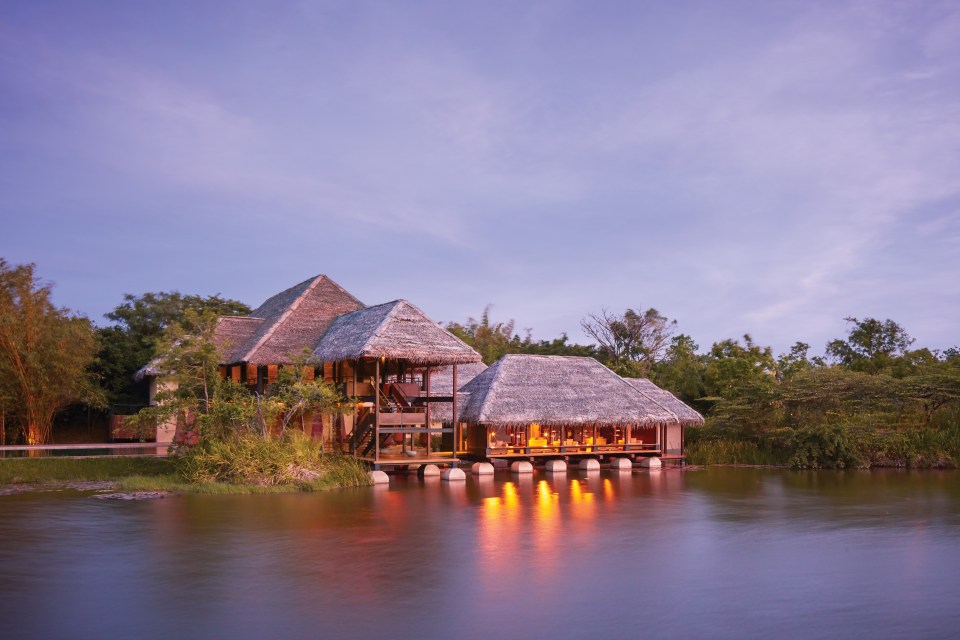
[872, 346]
[633, 342]
[45, 354]
[140, 321]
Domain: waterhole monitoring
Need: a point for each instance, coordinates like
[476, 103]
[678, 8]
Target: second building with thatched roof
[530, 405]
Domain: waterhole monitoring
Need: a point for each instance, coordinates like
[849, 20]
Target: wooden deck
[391, 459]
[601, 450]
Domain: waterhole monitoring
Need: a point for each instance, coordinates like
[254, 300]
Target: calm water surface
[717, 553]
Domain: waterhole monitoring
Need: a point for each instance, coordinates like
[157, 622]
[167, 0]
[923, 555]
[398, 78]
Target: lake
[714, 553]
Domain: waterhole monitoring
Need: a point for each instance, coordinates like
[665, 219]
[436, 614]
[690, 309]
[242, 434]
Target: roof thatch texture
[233, 333]
[292, 321]
[230, 331]
[686, 414]
[518, 390]
[441, 384]
[396, 330]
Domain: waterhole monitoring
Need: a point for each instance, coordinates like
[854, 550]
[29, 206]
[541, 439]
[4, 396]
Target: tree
[140, 322]
[796, 361]
[494, 340]
[681, 370]
[740, 381]
[633, 342]
[491, 341]
[45, 353]
[871, 347]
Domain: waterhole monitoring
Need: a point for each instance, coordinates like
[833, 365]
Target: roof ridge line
[376, 332]
[650, 398]
[494, 383]
[286, 314]
[337, 285]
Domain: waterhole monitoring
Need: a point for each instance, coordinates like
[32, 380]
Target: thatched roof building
[396, 330]
[286, 324]
[519, 390]
[688, 416]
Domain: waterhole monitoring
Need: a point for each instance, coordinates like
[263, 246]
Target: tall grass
[727, 451]
[256, 460]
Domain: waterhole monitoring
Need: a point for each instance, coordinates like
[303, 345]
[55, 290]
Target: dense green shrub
[833, 447]
[251, 458]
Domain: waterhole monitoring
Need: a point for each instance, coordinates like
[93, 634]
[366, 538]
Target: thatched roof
[687, 415]
[230, 331]
[441, 379]
[397, 330]
[151, 369]
[441, 384]
[290, 322]
[556, 390]
[233, 333]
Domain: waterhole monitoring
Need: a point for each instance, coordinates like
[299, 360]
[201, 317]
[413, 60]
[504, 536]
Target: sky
[764, 167]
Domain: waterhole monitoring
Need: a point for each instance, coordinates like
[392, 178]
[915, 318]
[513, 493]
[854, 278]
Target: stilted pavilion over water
[424, 396]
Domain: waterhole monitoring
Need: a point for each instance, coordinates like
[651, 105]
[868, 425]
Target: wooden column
[456, 423]
[426, 387]
[376, 411]
[626, 437]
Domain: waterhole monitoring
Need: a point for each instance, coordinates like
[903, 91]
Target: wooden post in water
[376, 410]
[426, 387]
[456, 424]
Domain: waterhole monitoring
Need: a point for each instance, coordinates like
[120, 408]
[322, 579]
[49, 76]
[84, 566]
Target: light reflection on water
[719, 553]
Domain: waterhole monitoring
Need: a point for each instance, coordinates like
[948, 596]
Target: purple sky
[762, 167]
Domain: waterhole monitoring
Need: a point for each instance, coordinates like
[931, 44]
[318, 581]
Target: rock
[136, 495]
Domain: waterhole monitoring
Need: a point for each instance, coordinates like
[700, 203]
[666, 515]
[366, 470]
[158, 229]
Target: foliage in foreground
[253, 459]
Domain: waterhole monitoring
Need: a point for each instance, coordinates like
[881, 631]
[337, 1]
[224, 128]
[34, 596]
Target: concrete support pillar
[521, 466]
[453, 475]
[556, 466]
[428, 470]
[589, 464]
[481, 469]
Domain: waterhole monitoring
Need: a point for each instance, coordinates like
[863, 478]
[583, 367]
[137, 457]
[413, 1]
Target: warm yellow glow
[546, 499]
[576, 491]
[546, 538]
[510, 497]
[582, 506]
[608, 490]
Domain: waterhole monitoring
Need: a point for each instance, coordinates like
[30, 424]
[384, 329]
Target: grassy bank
[59, 469]
[167, 474]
